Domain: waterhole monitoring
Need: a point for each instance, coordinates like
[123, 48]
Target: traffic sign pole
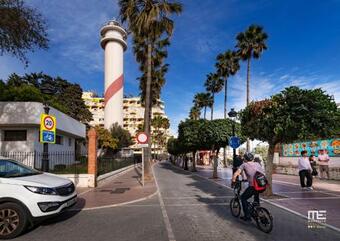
[143, 166]
[142, 139]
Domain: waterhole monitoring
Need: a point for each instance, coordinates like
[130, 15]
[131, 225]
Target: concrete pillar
[113, 41]
[92, 157]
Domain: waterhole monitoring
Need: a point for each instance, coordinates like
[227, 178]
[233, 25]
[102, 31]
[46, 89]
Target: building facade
[133, 114]
[20, 132]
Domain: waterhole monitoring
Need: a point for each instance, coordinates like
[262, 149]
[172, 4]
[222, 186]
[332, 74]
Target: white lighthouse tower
[113, 41]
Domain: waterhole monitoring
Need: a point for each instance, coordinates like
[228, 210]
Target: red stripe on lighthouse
[113, 88]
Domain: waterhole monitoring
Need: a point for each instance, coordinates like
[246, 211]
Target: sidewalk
[123, 188]
[325, 196]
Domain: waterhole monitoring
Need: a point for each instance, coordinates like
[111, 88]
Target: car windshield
[11, 168]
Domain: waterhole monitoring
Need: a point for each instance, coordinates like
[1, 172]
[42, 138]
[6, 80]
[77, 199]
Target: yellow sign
[48, 124]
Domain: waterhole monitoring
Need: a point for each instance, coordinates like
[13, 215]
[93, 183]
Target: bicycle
[262, 217]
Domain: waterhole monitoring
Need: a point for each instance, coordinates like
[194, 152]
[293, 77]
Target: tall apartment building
[133, 113]
[95, 105]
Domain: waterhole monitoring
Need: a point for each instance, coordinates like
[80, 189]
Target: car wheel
[13, 220]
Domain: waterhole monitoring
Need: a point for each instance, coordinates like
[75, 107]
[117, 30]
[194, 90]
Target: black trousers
[248, 193]
[305, 174]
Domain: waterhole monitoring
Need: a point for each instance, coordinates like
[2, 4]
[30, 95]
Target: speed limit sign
[47, 128]
[48, 122]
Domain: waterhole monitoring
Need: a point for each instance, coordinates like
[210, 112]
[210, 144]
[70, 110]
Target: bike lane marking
[167, 223]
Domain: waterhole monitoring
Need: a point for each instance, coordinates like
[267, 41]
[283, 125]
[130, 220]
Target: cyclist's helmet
[248, 156]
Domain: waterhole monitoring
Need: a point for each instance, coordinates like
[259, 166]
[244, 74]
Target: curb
[114, 205]
[264, 200]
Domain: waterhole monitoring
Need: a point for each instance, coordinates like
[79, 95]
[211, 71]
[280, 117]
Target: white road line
[179, 205]
[294, 184]
[307, 198]
[113, 205]
[167, 223]
[264, 200]
[212, 197]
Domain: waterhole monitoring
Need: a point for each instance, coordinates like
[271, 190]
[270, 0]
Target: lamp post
[46, 89]
[232, 114]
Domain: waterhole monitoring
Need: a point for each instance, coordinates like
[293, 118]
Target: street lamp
[46, 89]
[232, 114]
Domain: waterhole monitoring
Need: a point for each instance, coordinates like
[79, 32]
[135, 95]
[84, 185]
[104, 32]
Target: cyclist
[250, 168]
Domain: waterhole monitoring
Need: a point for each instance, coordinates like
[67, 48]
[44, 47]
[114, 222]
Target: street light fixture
[46, 89]
[232, 114]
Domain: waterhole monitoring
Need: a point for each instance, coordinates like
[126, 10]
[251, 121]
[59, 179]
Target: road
[187, 207]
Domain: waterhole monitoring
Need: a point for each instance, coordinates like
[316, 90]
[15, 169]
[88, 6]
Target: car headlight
[42, 190]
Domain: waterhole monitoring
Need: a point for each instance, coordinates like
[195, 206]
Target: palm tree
[227, 65]
[203, 100]
[195, 112]
[148, 20]
[251, 44]
[213, 84]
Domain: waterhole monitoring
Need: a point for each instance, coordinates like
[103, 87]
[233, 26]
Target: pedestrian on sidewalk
[323, 159]
[237, 162]
[305, 171]
[312, 161]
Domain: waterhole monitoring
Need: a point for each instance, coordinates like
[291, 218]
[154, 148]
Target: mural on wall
[332, 146]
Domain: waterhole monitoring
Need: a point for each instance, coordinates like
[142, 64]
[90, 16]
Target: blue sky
[303, 48]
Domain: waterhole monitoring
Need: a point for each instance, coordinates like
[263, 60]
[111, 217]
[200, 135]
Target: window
[15, 135]
[69, 141]
[59, 140]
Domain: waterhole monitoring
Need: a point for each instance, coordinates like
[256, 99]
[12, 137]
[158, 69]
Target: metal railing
[109, 164]
[59, 162]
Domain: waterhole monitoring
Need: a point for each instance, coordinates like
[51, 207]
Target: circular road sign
[48, 122]
[142, 138]
[234, 142]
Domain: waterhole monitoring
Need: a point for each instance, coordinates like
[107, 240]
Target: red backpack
[260, 181]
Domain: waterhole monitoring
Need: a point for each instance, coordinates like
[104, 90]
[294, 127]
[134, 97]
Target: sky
[303, 48]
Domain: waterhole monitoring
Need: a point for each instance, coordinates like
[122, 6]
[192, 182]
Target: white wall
[17, 146]
[289, 161]
[28, 113]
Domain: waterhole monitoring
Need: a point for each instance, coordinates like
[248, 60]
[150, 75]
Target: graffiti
[332, 147]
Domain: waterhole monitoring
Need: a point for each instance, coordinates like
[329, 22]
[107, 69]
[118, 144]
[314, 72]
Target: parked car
[28, 195]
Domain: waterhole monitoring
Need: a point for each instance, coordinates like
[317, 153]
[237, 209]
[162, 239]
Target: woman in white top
[305, 171]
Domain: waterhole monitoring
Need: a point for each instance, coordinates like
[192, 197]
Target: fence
[59, 162]
[115, 162]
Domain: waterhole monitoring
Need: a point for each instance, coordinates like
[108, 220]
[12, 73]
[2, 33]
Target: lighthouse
[113, 41]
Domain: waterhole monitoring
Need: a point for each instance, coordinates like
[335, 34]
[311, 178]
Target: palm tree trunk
[248, 86]
[225, 113]
[147, 114]
[205, 112]
[225, 97]
[212, 106]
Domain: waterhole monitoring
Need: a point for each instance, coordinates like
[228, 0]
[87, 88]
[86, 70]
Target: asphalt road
[187, 208]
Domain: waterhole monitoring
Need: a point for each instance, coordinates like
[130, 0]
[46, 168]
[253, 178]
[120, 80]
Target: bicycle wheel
[235, 207]
[264, 220]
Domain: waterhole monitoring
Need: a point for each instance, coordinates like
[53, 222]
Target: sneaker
[310, 188]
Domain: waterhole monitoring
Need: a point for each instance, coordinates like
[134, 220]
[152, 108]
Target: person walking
[312, 162]
[323, 159]
[305, 170]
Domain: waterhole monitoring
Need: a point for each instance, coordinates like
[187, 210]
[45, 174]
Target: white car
[27, 195]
